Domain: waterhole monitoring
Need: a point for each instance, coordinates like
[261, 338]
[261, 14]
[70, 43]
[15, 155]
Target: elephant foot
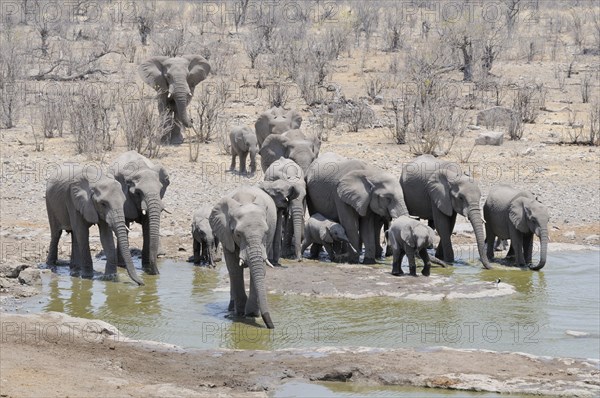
[110, 277]
[231, 305]
[75, 273]
[251, 315]
[87, 275]
[396, 273]
[425, 272]
[369, 261]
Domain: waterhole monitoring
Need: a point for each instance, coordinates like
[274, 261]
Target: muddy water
[555, 312]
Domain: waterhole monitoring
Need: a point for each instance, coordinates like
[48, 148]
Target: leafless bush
[359, 115]
[170, 42]
[595, 123]
[308, 87]
[89, 119]
[253, 46]
[143, 128]
[374, 85]
[145, 24]
[338, 38]
[401, 123]
[516, 127]
[577, 28]
[367, 18]
[278, 95]
[220, 56]
[52, 117]
[11, 71]
[129, 48]
[560, 75]
[528, 101]
[394, 26]
[586, 82]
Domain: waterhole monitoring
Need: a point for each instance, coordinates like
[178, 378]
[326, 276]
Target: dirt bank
[57, 355]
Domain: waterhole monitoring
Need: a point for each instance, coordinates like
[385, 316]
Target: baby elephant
[243, 142]
[321, 231]
[205, 242]
[411, 237]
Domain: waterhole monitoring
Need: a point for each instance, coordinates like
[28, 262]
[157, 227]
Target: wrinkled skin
[410, 237]
[244, 221]
[514, 214]
[293, 145]
[355, 195]
[438, 191]
[284, 182]
[144, 184]
[323, 232]
[276, 121]
[243, 143]
[175, 80]
[205, 242]
[76, 199]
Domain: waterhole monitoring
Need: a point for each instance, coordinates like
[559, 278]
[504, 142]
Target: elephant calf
[411, 237]
[205, 241]
[320, 231]
[243, 142]
[516, 215]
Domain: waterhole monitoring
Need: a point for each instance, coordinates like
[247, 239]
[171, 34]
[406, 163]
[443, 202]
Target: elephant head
[453, 192]
[374, 190]
[241, 223]
[334, 232]
[281, 191]
[276, 121]
[418, 236]
[102, 201]
[290, 145]
[175, 80]
[530, 216]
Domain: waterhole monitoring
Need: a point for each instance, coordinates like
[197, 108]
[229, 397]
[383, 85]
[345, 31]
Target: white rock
[490, 138]
[569, 235]
[592, 238]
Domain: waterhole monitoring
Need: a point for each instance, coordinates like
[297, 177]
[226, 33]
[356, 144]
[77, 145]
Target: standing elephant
[205, 241]
[245, 221]
[323, 232]
[292, 144]
[243, 142]
[355, 195]
[410, 237]
[144, 184]
[276, 121]
[284, 182]
[75, 200]
[175, 80]
[437, 190]
[514, 214]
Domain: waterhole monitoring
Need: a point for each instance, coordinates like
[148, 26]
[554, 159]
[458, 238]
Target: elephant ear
[295, 119]
[82, 195]
[517, 215]
[355, 189]
[199, 68]
[163, 177]
[273, 148]
[324, 234]
[219, 222]
[407, 235]
[151, 71]
[439, 192]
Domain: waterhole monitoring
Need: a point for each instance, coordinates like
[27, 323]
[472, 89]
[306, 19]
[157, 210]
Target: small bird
[498, 282]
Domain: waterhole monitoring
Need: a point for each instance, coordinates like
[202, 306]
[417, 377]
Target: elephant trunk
[297, 210]
[256, 264]
[543, 248]
[181, 101]
[398, 208]
[120, 230]
[210, 247]
[477, 223]
[155, 207]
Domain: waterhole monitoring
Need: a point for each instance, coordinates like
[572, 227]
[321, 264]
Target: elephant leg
[236, 282]
[176, 135]
[53, 249]
[243, 157]
[205, 252]
[412, 265]
[288, 249]
[196, 251]
[277, 239]
[315, 250]
[489, 241]
[108, 245]
[516, 240]
[75, 264]
[444, 225]
[329, 249]
[426, 262]
[350, 221]
[378, 224]
[367, 232]
[528, 247]
[233, 156]
[511, 252]
[397, 262]
[82, 234]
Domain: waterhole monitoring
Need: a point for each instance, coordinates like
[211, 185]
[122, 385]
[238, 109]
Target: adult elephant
[355, 195]
[284, 179]
[511, 213]
[175, 80]
[276, 121]
[293, 145]
[438, 191]
[144, 184]
[244, 221]
[76, 199]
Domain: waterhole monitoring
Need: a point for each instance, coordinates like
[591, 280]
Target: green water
[186, 305]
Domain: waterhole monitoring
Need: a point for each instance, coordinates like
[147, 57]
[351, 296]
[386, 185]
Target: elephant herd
[349, 204]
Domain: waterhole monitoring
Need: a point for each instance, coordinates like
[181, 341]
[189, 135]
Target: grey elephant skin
[358, 196]
[321, 231]
[284, 182]
[511, 213]
[437, 190]
[205, 243]
[78, 198]
[243, 143]
[276, 121]
[144, 184]
[244, 221]
[292, 144]
[410, 237]
[175, 80]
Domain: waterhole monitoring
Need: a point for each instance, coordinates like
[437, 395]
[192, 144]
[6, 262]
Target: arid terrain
[554, 49]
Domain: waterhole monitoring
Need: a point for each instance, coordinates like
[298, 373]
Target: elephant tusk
[352, 247]
[169, 95]
[189, 94]
[127, 228]
[143, 212]
[269, 263]
[241, 262]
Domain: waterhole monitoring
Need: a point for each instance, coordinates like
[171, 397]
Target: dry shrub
[11, 71]
[278, 95]
[143, 128]
[89, 117]
[595, 123]
[528, 101]
[51, 116]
